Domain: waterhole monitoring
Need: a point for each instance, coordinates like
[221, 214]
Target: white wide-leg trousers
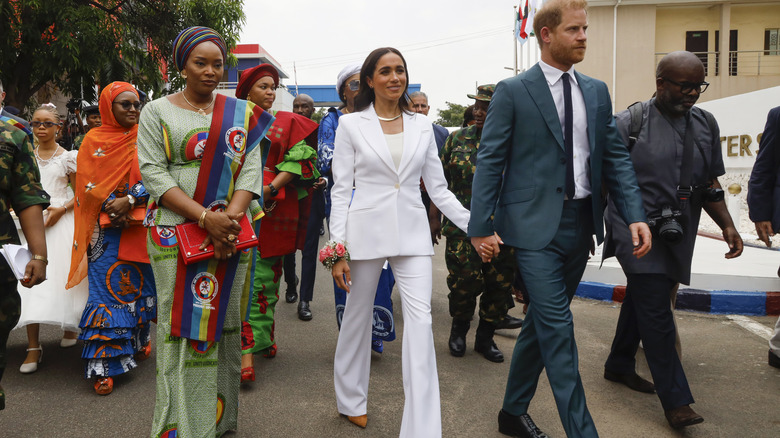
[352, 365]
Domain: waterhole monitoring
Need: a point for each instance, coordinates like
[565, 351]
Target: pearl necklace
[386, 119]
[201, 111]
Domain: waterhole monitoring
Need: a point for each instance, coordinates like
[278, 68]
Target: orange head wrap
[105, 158]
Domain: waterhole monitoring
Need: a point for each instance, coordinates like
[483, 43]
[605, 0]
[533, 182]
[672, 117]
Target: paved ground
[736, 391]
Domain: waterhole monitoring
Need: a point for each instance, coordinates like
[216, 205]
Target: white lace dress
[49, 302]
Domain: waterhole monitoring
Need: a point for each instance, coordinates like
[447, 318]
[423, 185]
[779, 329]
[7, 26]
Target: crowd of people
[224, 191]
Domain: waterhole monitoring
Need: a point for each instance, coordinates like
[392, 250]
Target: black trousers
[10, 310]
[646, 315]
[309, 254]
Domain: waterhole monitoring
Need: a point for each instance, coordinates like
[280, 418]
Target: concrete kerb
[754, 303]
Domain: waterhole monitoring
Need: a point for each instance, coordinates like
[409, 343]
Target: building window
[697, 42]
[771, 43]
[733, 37]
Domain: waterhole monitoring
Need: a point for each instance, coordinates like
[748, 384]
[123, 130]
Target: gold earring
[184, 76]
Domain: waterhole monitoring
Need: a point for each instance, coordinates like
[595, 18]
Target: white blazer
[386, 216]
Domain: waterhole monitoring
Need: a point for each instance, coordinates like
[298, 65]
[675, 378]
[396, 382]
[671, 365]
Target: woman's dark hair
[341, 95]
[365, 96]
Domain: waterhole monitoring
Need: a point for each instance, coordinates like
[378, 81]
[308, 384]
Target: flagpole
[295, 73]
[514, 37]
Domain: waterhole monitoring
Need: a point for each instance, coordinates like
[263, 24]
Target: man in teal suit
[548, 143]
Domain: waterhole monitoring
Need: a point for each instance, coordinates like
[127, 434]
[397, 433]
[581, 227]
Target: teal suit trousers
[551, 275]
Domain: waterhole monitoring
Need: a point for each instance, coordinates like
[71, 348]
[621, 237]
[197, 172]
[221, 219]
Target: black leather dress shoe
[633, 381]
[304, 312]
[682, 416]
[774, 360]
[292, 294]
[509, 322]
[518, 426]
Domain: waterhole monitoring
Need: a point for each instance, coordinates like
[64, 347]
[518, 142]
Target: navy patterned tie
[568, 133]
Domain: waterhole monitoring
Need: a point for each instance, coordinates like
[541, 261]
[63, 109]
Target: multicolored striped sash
[203, 289]
[17, 124]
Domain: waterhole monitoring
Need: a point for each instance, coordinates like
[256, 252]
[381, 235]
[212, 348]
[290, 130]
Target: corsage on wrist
[332, 252]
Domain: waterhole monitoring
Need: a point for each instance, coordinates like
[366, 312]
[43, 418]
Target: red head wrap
[252, 75]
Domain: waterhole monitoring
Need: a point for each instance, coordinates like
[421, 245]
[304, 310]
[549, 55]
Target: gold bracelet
[202, 219]
[41, 258]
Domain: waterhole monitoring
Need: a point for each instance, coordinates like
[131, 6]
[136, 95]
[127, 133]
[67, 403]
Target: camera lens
[670, 231]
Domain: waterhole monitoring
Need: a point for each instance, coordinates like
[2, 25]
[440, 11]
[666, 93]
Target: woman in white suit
[384, 150]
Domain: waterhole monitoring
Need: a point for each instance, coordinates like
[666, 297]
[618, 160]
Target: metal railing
[741, 62]
[227, 85]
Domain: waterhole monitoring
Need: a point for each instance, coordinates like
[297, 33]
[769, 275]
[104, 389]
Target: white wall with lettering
[741, 119]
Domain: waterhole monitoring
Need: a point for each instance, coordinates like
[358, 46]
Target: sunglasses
[688, 87]
[46, 124]
[354, 84]
[126, 104]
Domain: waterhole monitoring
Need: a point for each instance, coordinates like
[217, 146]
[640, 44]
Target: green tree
[75, 44]
[452, 116]
[319, 114]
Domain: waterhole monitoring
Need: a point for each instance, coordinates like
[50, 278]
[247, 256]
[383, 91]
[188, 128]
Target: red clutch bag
[190, 236]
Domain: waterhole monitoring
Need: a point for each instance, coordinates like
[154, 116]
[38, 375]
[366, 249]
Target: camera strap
[685, 188]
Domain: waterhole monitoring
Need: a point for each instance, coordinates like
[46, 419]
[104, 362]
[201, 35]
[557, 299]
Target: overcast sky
[449, 45]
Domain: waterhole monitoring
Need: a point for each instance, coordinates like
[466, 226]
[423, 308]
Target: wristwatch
[131, 200]
[274, 191]
[41, 258]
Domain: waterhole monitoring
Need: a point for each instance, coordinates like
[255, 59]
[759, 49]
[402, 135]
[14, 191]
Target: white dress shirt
[580, 125]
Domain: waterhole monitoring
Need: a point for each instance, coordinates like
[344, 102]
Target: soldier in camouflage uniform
[92, 117]
[468, 276]
[20, 189]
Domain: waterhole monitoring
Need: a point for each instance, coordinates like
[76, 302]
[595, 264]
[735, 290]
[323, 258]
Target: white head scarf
[345, 73]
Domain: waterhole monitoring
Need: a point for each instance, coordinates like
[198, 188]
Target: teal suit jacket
[519, 185]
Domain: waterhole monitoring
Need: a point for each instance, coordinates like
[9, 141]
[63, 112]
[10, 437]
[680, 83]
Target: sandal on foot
[247, 374]
[104, 385]
[143, 353]
[28, 368]
[270, 352]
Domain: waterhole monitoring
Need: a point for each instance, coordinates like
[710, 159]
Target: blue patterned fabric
[115, 322]
[383, 327]
[326, 138]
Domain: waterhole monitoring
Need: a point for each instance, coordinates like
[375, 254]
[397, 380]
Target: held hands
[320, 184]
[734, 240]
[34, 273]
[764, 231]
[641, 237]
[487, 246]
[53, 215]
[434, 223]
[341, 274]
[221, 226]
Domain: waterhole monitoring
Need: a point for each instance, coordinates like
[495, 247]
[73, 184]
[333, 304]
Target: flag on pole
[524, 24]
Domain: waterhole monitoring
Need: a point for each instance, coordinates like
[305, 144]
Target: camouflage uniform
[468, 276]
[20, 188]
[77, 142]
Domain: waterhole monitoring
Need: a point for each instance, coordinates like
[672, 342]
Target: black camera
[711, 194]
[666, 226]
[74, 104]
